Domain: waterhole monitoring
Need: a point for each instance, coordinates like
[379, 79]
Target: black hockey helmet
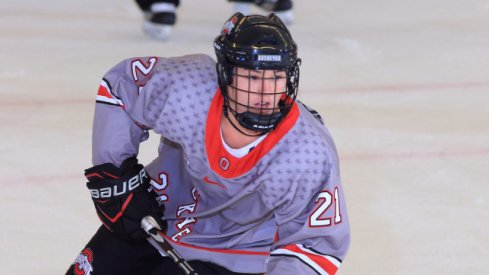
[257, 42]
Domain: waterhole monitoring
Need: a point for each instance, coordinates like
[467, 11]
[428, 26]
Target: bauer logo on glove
[116, 188]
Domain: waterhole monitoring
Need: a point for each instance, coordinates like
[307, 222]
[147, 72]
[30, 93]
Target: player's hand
[122, 197]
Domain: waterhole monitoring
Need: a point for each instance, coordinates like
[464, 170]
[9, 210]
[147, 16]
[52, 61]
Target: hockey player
[161, 16]
[248, 176]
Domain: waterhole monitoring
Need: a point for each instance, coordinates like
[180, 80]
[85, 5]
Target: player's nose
[268, 86]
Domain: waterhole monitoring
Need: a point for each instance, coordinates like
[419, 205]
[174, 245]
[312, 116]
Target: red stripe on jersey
[225, 251]
[319, 260]
[276, 237]
[227, 165]
[105, 96]
[102, 91]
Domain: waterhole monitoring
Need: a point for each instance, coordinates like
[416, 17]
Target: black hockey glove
[122, 197]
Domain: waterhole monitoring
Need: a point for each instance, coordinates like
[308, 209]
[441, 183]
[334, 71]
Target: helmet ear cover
[225, 76]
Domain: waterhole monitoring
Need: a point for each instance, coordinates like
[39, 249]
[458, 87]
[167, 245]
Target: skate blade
[157, 31]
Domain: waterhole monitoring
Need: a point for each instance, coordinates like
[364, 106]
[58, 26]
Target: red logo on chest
[224, 163]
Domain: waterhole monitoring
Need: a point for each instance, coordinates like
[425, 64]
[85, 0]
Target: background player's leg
[242, 6]
[105, 254]
[145, 5]
[160, 17]
[282, 8]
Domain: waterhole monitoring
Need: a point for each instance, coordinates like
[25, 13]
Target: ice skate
[159, 22]
[282, 8]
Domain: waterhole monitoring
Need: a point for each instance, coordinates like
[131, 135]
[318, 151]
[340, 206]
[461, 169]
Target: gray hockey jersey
[280, 209]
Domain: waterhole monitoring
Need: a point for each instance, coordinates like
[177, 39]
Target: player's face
[257, 91]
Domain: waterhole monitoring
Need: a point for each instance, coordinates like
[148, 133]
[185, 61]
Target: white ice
[402, 85]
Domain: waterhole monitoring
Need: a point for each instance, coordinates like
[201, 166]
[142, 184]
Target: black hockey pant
[108, 255]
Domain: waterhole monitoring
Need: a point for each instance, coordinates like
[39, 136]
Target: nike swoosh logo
[207, 180]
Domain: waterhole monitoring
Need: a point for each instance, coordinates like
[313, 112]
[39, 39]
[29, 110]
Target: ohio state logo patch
[224, 163]
[229, 25]
[83, 263]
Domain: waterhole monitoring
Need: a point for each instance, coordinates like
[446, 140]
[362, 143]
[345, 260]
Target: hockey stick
[153, 229]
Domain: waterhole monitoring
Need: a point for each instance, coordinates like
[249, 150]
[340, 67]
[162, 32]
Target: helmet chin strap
[254, 122]
[259, 133]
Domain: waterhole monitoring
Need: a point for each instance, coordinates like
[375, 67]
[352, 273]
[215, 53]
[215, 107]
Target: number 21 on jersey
[324, 202]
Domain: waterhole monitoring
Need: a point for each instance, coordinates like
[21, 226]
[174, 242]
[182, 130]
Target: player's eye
[280, 75]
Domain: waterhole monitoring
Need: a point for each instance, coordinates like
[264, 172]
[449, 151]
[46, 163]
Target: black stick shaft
[152, 228]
